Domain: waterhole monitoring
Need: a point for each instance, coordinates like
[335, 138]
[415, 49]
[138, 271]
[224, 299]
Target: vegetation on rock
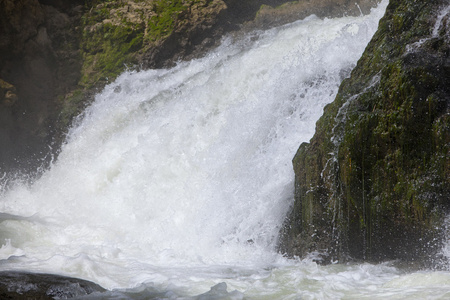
[117, 35]
[374, 181]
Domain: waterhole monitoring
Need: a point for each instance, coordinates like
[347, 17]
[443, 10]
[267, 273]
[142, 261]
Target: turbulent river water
[174, 183]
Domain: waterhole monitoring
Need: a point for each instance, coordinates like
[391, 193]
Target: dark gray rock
[28, 286]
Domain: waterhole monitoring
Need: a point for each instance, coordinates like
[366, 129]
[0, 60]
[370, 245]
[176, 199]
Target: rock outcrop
[269, 16]
[374, 183]
[32, 286]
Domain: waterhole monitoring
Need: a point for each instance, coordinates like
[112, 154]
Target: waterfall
[179, 179]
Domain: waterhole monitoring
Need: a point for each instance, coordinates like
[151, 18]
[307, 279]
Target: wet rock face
[39, 58]
[200, 26]
[269, 16]
[373, 183]
[27, 286]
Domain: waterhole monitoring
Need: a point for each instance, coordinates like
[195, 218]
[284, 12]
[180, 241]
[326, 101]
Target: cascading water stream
[176, 180]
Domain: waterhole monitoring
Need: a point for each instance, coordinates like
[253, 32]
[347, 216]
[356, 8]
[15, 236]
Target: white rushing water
[177, 181]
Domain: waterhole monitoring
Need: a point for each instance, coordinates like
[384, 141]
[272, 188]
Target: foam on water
[177, 180]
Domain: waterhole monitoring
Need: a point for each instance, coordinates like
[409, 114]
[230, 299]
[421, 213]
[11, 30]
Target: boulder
[34, 286]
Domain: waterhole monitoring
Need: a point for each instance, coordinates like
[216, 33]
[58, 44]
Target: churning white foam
[180, 178]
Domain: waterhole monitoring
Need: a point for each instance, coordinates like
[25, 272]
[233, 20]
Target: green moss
[108, 51]
[108, 48]
[384, 167]
[163, 23]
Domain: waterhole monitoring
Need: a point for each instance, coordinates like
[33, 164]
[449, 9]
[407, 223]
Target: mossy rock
[166, 15]
[116, 35]
[380, 155]
[108, 51]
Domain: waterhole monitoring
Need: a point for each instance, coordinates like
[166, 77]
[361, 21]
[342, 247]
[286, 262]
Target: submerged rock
[373, 183]
[27, 286]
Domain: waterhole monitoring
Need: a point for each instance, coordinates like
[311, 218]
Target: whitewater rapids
[176, 181]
